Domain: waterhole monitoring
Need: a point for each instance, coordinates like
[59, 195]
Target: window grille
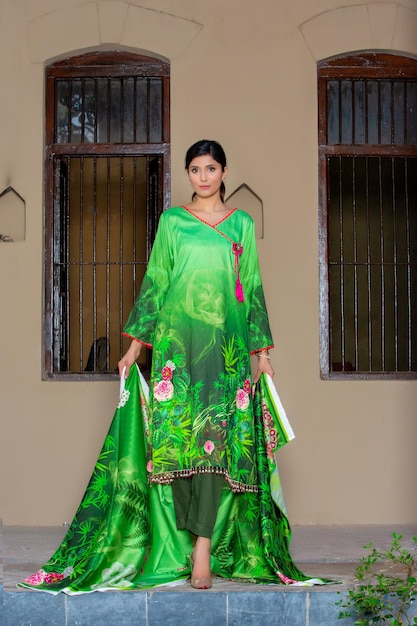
[107, 174]
[368, 216]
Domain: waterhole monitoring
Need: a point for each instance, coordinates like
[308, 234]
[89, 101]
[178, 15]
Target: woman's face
[205, 175]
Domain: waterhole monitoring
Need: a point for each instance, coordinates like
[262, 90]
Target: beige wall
[245, 73]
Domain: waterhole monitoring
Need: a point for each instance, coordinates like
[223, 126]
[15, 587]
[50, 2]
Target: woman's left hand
[264, 366]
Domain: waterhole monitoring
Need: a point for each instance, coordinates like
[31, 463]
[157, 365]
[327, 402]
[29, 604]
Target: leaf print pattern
[113, 544]
[194, 425]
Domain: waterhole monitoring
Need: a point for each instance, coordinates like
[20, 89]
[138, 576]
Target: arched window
[368, 216]
[107, 181]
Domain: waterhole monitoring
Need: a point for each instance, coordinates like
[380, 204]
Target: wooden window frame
[93, 65]
[359, 65]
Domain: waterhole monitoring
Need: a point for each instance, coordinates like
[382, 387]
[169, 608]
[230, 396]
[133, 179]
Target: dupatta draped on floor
[124, 533]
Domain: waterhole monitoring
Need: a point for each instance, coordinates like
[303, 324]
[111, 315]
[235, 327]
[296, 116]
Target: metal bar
[355, 265]
[82, 110]
[122, 110]
[109, 98]
[134, 114]
[392, 114]
[408, 243]
[134, 226]
[366, 113]
[95, 110]
[395, 259]
[339, 82]
[381, 243]
[69, 111]
[121, 215]
[67, 208]
[95, 264]
[369, 262]
[148, 110]
[81, 274]
[149, 216]
[342, 270]
[379, 113]
[108, 260]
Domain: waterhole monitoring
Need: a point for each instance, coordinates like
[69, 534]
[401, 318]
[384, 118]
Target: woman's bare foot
[201, 575]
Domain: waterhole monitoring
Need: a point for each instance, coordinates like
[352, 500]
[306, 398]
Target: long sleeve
[156, 282]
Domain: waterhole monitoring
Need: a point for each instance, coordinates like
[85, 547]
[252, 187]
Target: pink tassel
[237, 251]
[239, 290]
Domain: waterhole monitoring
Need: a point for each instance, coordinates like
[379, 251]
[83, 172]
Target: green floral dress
[201, 309]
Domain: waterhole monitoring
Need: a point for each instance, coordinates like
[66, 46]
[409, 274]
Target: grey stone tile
[2, 620]
[34, 608]
[322, 609]
[193, 608]
[267, 608]
[109, 608]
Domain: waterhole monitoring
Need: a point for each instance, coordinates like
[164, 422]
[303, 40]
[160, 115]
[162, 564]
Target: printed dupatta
[124, 533]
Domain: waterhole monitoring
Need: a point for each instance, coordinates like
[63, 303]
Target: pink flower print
[167, 373]
[168, 370]
[270, 452]
[208, 447]
[266, 416]
[242, 399]
[53, 577]
[285, 579]
[149, 466]
[164, 390]
[246, 385]
[224, 423]
[36, 579]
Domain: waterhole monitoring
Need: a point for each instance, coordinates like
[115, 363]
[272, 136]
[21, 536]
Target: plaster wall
[243, 73]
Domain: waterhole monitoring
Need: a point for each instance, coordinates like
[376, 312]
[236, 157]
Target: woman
[202, 440]
[201, 309]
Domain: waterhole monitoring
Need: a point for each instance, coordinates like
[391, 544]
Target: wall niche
[12, 216]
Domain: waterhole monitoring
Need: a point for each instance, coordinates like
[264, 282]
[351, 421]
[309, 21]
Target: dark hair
[214, 149]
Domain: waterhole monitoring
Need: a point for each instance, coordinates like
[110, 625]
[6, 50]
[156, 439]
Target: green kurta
[201, 410]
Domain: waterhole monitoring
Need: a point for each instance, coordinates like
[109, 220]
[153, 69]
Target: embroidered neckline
[237, 249]
[204, 221]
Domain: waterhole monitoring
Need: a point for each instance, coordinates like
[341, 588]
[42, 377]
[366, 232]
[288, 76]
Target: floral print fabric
[201, 408]
[124, 533]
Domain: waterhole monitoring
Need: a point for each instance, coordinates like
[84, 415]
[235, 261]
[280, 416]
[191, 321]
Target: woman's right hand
[130, 357]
